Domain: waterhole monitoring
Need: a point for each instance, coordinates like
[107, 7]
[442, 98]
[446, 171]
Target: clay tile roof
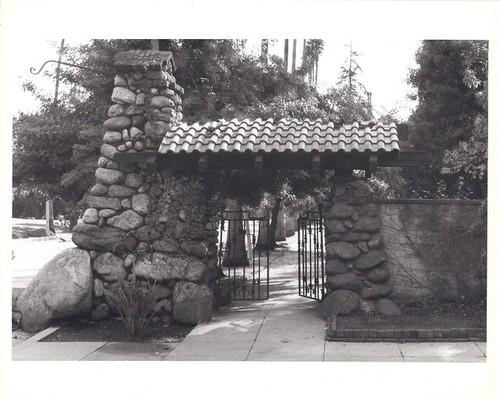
[286, 135]
[151, 60]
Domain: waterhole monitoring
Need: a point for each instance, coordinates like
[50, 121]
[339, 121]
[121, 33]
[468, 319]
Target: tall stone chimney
[153, 224]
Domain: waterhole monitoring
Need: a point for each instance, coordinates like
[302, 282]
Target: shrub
[136, 303]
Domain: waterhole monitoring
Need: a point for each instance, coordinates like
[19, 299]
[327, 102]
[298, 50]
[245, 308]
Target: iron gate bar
[311, 255]
[240, 287]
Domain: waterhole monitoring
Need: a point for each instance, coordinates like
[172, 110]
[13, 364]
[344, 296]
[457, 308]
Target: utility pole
[58, 71]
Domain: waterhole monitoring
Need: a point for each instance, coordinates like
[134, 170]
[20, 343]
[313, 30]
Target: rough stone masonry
[142, 221]
[158, 225]
[151, 223]
[356, 276]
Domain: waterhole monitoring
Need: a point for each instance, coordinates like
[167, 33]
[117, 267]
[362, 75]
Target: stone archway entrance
[149, 212]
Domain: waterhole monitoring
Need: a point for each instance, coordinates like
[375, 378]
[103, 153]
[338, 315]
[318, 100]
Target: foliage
[55, 149]
[42, 155]
[136, 303]
[346, 104]
[220, 81]
[309, 68]
[450, 121]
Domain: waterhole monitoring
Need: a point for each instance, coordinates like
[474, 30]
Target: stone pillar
[355, 257]
[153, 224]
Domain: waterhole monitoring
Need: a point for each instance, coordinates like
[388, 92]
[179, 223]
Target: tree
[55, 149]
[450, 121]
[310, 60]
[349, 101]
[220, 81]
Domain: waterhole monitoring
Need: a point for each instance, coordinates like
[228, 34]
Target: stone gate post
[142, 221]
[355, 257]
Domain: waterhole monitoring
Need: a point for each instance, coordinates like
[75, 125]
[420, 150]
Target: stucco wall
[433, 249]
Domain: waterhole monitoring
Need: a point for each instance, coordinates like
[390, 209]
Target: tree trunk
[294, 55]
[304, 54]
[316, 73]
[285, 58]
[264, 50]
[235, 253]
[73, 221]
[280, 234]
[274, 222]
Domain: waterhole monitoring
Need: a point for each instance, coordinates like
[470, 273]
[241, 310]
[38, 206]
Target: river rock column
[355, 273]
[140, 221]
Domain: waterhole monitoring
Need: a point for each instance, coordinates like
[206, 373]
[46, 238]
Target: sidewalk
[283, 329]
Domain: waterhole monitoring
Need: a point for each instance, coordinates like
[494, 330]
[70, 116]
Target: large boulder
[140, 203]
[119, 191]
[378, 275]
[376, 291]
[62, 288]
[123, 95]
[340, 210]
[128, 220]
[90, 216]
[340, 302]
[342, 250]
[192, 303]
[168, 245]
[196, 248]
[104, 202]
[335, 266]
[109, 176]
[335, 226]
[109, 267]
[369, 260]
[109, 239]
[168, 267]
[161, 102]
[345, 281]
[117, 123]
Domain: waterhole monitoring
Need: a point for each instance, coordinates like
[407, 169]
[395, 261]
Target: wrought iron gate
[244, 254]
[311, 255]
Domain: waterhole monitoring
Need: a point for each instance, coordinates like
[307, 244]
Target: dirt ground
[420, 319]
[113, 330]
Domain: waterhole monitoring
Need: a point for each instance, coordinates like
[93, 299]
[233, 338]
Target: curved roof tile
[284, 135]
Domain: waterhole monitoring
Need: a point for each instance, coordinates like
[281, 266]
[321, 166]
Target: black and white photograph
[279, 216]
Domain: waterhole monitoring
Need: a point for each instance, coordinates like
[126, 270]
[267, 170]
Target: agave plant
[136, 303]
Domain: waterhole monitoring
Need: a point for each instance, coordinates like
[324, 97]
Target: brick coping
[402, 335]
